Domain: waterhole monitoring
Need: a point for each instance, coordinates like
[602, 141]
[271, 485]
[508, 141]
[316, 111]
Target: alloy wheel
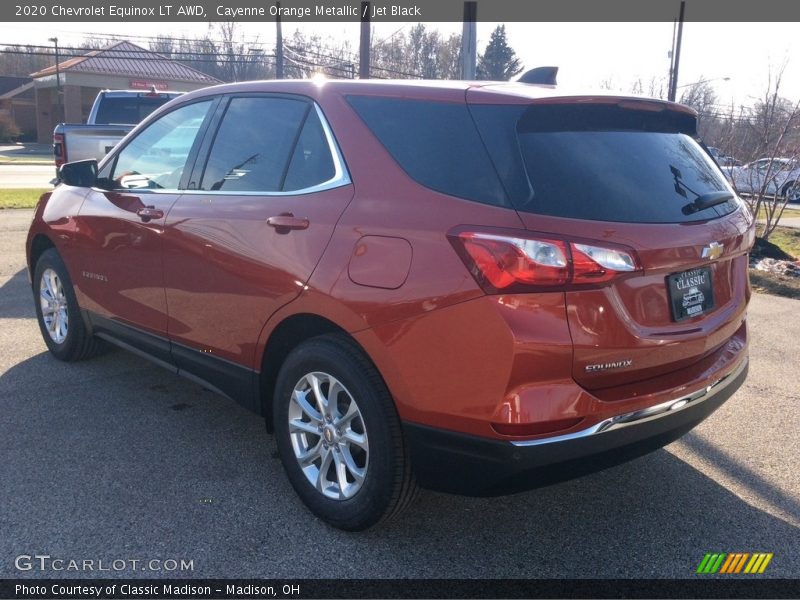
[53, 301]
[328, 436]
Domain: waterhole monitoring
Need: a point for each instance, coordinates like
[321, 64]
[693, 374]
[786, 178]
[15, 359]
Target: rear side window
[253, 145]
[268, 144]
[602, 163]
[435, 143]
[312, 162]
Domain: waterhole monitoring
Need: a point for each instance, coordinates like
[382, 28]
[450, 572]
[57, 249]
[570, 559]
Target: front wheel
[791, 191]
[57, 311]
[339, 436]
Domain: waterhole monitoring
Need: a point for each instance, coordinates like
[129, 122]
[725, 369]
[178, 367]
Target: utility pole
[58, 81]
[469, 40]
[672, 56]
[363, 50]
[676, 58]
[278, 44]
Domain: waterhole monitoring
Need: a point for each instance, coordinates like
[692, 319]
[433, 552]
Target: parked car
[776, 176]
[471, 287]
[723, 160]
[113, 114]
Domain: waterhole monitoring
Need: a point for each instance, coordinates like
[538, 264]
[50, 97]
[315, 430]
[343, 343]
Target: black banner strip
[92, 11]
[149, 589]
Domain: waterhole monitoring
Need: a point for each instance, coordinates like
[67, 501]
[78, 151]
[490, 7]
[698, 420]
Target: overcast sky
[588, 54]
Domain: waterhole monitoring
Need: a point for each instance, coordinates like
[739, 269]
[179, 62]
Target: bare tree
[22, 61]
[701, 97]
[768, 133]
[306, 56]
[423, 53]
[657, 87]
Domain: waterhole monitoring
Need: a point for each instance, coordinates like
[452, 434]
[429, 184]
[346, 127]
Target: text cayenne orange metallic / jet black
[471, 287]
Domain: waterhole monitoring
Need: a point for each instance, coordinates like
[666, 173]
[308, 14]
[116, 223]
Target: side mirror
[81, 173]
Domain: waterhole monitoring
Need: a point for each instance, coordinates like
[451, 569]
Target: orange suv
[471, 287]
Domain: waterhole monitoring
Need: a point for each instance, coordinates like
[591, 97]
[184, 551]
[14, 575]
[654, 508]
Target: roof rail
[540, 75]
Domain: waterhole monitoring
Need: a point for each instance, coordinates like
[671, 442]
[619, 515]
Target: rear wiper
[705, 201]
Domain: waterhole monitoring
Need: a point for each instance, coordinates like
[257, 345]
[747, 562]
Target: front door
[120, 225]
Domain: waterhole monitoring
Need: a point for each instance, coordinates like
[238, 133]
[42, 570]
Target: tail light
[507, 263]
[59, 149]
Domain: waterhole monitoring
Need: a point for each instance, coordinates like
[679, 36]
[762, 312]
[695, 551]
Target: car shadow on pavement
[124, 459]
[15, 298]
[744, 476]
[653, 517]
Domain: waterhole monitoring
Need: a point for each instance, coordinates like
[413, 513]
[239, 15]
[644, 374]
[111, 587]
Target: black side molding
[212, 372]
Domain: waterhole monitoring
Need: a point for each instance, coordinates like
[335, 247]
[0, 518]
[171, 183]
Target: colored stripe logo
[738, 562]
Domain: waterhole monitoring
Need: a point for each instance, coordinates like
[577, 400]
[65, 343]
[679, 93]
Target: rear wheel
[57, 311]
[792, 191]
[338, 435]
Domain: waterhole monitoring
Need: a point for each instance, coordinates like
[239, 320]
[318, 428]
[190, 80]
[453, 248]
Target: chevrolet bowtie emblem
[712, 251]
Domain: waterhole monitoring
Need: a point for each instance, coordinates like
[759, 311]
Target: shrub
[9, 132]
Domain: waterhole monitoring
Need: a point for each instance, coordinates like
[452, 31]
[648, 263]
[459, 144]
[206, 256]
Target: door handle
[149, 212]
[284, 223]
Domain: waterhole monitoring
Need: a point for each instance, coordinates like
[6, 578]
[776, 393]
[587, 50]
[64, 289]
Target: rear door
[244, 239]
[629, 174]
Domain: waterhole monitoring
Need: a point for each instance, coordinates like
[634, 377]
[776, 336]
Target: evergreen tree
[499, 62]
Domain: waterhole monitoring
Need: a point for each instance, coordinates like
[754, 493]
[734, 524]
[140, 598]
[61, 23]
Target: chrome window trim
[643, 415]
[341, 176]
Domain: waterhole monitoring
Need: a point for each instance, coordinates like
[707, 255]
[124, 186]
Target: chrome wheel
[53, 301]
[328, 436]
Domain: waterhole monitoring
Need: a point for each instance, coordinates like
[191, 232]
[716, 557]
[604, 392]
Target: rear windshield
[603, 163]
[127, 111]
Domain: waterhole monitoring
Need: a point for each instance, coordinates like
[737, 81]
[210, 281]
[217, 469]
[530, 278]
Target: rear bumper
[463, 464]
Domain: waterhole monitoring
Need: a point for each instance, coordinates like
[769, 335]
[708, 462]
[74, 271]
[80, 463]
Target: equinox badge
[620, 364]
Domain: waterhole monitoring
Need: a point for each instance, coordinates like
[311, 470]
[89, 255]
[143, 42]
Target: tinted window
[254, 145]
[157, 156]
[126, 111]
[312, 162]
[435, 143]
[601, 163]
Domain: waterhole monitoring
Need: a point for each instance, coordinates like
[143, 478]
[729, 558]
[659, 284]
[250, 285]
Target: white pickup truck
[114, 113]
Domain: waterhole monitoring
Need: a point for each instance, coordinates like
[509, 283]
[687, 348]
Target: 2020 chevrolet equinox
[471, 287]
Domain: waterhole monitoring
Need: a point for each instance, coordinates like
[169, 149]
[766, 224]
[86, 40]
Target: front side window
[156, 158]
[268, 144]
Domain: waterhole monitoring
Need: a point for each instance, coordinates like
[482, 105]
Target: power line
[221, 56]
[226, 58]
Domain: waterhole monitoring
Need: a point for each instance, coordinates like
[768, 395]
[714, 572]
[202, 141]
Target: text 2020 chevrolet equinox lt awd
[471, 287]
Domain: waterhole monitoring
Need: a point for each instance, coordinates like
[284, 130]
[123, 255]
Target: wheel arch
[38, 246]
[285, 337]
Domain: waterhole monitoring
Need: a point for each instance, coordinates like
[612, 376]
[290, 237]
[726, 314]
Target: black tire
[388, 485]
[793, 188]
[78, 343]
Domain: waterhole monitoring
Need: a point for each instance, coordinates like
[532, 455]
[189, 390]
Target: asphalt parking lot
[116, 459]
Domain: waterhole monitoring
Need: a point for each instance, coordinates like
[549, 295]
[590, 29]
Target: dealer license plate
[691, 293]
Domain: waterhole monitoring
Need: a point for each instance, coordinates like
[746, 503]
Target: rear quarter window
[435, 143]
